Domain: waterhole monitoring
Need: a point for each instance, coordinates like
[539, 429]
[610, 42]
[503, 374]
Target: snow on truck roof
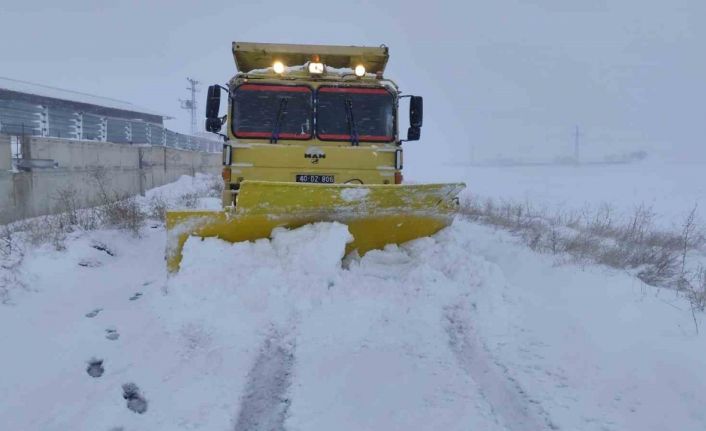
[47, 91]
[249, 56]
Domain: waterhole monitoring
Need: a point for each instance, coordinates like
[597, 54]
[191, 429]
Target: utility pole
[577, 152]
[190, 104]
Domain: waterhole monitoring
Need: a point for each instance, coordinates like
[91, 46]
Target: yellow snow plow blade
[376, 215]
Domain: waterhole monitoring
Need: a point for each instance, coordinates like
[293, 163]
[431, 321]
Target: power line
[577, 152]
[190, 104]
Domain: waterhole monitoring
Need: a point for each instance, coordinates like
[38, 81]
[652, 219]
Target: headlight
[316, 68]
[278, 67]
[360, 70]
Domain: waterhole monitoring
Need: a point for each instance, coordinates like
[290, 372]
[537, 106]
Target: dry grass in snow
[658, 257]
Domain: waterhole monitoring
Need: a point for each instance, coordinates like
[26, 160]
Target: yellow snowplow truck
[312, 134]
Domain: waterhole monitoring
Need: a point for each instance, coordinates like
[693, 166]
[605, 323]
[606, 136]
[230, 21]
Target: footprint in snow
[89, 263]
[102, 247]
[94, 313]
[112, 334]
[135, 401]
[136, 296]
[95, 367]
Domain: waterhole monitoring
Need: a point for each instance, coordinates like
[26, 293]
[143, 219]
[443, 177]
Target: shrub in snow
[188, 200]
[11, 258]
[214, 187]
[125, 214]
[700, 292]
[158, 208]
[656, 256]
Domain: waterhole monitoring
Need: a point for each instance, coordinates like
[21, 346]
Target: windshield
[272, 111]
[356, 114]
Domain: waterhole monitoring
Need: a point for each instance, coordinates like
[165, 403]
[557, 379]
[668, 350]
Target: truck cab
[310, 114]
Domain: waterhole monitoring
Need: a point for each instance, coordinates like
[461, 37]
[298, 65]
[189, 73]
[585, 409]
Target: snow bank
[199, 186]
[265, 275]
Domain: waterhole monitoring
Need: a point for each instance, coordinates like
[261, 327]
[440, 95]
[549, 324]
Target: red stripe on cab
[283, 88]
[354, 90]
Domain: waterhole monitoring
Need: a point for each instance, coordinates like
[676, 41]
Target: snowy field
[466, 330]
[670, 189]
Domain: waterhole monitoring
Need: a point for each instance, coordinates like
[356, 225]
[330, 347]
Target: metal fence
[21, 118]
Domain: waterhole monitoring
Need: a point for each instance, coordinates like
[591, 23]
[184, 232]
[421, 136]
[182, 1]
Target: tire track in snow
[265, 403]
[507, 399]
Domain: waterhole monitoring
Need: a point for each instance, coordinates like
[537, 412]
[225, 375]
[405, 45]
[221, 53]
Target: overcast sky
[500, 78]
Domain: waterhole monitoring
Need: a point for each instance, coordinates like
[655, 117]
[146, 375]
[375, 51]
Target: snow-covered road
[466, 330]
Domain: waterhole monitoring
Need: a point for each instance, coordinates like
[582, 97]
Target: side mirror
[213, 105]
[213, 125]
[416, 111]
[213, 101]
[413, 133]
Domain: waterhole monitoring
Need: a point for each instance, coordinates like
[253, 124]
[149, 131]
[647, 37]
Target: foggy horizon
[507, 79]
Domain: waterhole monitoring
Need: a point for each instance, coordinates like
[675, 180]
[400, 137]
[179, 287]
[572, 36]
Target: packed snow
[463, 330]
[351, 195]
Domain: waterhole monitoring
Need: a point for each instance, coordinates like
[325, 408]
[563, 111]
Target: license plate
[308, 178]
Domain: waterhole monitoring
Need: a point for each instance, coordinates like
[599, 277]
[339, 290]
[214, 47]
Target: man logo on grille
[314, 153]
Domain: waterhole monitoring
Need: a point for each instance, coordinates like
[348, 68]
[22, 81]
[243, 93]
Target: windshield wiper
[278, 120]
[351, 123]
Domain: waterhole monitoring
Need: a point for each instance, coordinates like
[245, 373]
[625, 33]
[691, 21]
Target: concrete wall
[126, 169]
[5, 153]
